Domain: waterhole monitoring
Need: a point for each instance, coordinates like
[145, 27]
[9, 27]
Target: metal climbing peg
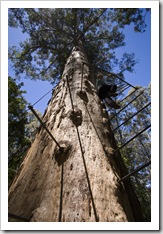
[44, 126]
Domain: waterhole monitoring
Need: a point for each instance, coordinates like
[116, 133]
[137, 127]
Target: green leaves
[126, 16]
[17, 142]
[32, 125]
[52, 33]
[22, 127]
[127, 62]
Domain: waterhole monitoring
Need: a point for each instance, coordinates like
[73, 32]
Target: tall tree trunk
[80, 182]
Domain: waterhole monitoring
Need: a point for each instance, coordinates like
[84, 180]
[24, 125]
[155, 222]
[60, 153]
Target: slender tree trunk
[80, 182]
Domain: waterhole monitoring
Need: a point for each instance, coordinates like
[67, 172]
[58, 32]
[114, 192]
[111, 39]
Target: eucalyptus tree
[72, 169]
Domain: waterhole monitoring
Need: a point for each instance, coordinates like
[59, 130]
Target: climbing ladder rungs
[134, 137]
[126, 105]
[131, 116]
[135, 171]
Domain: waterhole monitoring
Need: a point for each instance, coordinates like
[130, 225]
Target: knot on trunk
[83, 96]
[89, 87]
[105, 121]
[109, 150]
[76, 116]
[61, 155]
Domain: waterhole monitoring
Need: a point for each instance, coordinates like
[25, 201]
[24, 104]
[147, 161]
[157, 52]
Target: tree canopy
[52, 33]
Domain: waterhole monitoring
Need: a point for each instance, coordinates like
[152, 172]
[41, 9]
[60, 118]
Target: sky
[137, 43]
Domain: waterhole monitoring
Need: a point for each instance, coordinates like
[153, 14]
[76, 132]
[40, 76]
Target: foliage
[32, 125]
[136, 152]
[22, 127]
[53, 32]
[17, 119]
[126, 16]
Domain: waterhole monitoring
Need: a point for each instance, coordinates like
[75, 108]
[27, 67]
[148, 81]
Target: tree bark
[80, 182]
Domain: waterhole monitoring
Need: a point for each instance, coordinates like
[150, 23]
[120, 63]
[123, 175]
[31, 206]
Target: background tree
[17, 119]
[32, 126]
[72, 183]
[22, 127]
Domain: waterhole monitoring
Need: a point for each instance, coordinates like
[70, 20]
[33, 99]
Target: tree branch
[43, 19]
[69, 36]
[94, 21]
[89, 25]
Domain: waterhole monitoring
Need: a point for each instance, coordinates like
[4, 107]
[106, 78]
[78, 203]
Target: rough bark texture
[80, 182]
